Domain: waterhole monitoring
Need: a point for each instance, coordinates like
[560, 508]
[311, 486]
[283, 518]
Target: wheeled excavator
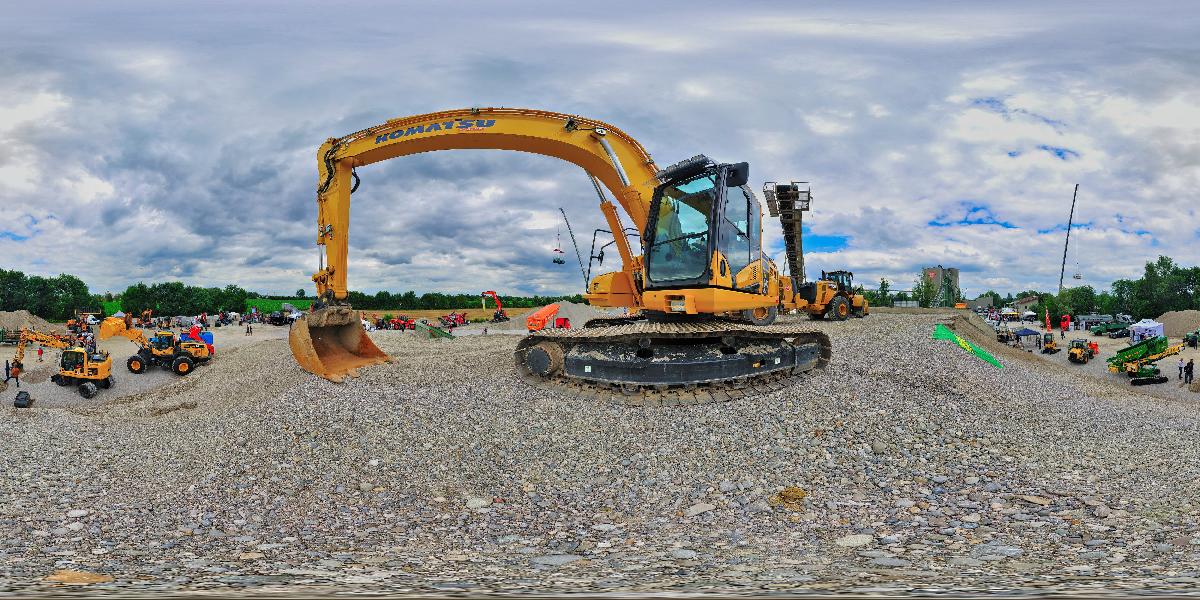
[163, 349]
[699, 299]
[91, 371]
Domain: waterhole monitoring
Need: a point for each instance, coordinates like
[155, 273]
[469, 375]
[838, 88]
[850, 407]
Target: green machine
[1139, 360]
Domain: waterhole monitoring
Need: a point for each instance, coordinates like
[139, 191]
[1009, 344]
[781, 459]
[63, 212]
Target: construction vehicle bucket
[331, 343]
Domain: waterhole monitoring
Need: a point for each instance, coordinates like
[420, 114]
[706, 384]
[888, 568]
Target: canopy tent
[118, 314]
[1144, 329]
[1028, 313]
[1024, 331]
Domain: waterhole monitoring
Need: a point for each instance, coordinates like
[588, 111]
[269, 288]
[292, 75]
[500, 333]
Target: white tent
[118, 314]
[1146, 328]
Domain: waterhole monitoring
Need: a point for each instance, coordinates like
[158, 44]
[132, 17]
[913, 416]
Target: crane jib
[456, 124]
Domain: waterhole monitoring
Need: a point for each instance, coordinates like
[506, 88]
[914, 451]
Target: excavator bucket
[331, 343]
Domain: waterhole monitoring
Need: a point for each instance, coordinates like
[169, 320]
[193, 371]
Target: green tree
[925, 291]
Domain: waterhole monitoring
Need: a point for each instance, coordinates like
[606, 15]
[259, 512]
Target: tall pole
[1070, 220]
[578, 257]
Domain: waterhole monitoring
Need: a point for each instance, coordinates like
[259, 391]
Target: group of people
[1186, 370]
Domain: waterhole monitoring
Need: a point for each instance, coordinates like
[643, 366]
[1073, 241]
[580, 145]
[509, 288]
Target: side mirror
[738, 175]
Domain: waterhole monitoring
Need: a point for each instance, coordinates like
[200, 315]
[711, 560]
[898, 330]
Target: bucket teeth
[331, 343]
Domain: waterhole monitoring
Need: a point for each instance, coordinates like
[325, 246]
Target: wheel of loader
[136, 364]
[816, 316]
[182, 365]
[107, 382]
[88, 390]
[61, 380]
[761, 316]
[839, 308]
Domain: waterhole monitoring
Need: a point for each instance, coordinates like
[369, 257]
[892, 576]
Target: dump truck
[1107, 328]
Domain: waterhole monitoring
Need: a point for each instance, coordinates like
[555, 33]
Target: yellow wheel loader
[688, 296]
[91, 371]
[163, 349]
[832, 296]
[1080, 352]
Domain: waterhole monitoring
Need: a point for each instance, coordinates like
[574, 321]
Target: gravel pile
[577, 313]
[1176, 323]
[908, 464]
[11, 320]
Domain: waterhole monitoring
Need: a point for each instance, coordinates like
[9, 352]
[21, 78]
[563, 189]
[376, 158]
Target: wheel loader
[164, 349]
[831, 296]
[1080, 351]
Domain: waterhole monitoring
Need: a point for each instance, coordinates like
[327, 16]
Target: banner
[941, 332]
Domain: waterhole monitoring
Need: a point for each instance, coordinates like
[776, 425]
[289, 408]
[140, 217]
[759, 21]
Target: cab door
[739, 237]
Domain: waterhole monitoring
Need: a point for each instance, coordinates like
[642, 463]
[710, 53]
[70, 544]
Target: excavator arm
[29, 336]
[495, 297]
[114, 326]
[605, 152]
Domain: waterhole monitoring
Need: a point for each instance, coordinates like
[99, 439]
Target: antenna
[1070, 220]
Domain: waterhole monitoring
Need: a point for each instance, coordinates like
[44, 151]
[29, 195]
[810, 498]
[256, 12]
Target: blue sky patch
[973, 214]
[8, 235]
[1061, 153]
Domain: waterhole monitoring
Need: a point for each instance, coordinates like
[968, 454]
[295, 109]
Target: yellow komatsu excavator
[91, 371]
[700, 295]
[164, 349]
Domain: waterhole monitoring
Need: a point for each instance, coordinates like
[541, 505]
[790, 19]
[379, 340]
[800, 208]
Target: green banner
[941, 332]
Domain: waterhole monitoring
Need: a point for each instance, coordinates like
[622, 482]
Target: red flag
[1047, 319]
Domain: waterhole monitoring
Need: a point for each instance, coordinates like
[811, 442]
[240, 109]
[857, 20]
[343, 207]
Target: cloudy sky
[176, 141]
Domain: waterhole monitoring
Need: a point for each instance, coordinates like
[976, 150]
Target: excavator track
[637, 362]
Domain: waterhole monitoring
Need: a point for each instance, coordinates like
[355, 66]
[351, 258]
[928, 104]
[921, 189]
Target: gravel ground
[924, 469]
[46, 394]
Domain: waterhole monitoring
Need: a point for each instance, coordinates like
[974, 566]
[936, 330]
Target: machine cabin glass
[740, 233]
[72, 360]
[843, 279]
[677, 249]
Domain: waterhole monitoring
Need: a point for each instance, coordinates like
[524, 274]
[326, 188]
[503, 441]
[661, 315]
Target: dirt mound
[23, 319]
[1178, 322]
[577, 313]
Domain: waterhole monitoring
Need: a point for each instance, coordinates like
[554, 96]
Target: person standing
[7, 371]
[13, 373]
[1188, 370]
[1181, 365]
[39, 354]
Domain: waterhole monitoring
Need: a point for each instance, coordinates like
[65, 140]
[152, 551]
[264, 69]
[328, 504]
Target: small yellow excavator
[91, 371]
[700, 298]
[164, 349]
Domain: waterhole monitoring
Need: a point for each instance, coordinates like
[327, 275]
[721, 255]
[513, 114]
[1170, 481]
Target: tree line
[1163, 287]
[57, 298]
[52, 298]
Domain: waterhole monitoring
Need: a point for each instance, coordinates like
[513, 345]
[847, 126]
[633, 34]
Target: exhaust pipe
[331, 343]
